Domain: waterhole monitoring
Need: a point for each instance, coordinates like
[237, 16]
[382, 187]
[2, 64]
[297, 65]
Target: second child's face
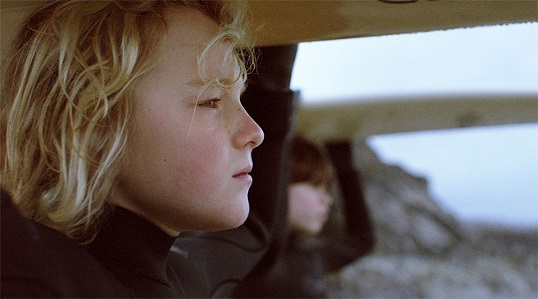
[188, 152]
[308, 208]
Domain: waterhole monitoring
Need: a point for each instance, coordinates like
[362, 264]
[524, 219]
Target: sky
[483, 58]
[479, 174]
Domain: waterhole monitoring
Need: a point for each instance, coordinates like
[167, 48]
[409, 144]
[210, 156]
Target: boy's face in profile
[188, 151]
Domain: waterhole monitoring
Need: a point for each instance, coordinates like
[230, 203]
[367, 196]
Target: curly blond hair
[66, 101]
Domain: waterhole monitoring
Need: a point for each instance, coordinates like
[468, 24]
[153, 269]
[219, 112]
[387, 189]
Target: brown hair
[310, 163]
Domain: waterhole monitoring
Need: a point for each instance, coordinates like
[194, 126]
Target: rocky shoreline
[422, 251]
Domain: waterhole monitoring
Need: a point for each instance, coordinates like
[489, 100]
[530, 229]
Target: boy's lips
[245, 172]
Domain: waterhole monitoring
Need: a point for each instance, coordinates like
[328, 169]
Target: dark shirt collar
[129, 241]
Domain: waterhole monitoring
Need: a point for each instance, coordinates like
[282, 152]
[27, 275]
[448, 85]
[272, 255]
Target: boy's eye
[213, 103]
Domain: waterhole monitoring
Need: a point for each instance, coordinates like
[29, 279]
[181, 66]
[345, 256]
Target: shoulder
[39, 261]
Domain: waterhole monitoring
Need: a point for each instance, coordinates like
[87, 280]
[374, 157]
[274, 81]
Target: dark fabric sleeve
[227, 257]
[358, 238]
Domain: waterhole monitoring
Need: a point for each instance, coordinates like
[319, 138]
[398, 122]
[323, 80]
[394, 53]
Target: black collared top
[138, 254]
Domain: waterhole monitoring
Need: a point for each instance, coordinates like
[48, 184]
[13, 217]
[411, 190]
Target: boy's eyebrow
[199, 82]
[196, 82]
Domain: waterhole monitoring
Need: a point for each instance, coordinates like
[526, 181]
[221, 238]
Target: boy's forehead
[190, 26]
[220, 62]
[192, 51]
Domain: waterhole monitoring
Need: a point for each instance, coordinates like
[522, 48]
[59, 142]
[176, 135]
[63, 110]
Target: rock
[424, 252]
[408, 276]
[405, 216]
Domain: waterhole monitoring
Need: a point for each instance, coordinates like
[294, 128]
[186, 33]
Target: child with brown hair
[305, 256]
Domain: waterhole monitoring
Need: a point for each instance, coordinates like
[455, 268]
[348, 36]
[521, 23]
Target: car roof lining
[292, 22]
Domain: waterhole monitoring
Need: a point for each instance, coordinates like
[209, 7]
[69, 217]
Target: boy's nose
[249, 133]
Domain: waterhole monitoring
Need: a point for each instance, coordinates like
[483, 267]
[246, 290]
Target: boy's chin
[231, 219]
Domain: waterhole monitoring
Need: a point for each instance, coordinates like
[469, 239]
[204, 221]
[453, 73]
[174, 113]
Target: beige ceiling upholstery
[284, 22]
[292, 21]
